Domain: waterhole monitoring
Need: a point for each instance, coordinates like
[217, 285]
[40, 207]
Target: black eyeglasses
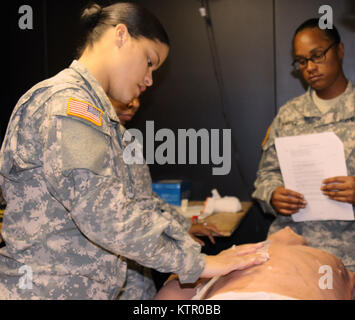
[317, 58]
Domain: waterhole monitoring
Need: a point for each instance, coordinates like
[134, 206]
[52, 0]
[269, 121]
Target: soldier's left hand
[203, 229]
[340, 188]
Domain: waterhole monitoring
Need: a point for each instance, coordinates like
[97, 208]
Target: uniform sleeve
[79, 174]
[269, 174]
[175, 215]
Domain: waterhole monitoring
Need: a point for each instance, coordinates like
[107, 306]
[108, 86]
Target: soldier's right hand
[287, 201]
[236, 258]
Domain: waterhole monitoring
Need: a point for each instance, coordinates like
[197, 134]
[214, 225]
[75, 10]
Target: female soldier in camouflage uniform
[328, 105]
[73, 211]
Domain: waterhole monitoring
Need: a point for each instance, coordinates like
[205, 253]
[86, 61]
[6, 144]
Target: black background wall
[253, 39]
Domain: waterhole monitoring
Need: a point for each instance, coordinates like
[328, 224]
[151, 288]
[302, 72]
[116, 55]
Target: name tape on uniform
[84, 110]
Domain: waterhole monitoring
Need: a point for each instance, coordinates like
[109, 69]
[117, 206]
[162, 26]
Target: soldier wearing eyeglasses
[328, 105]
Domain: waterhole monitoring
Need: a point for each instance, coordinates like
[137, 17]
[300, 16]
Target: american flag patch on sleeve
[84, 110]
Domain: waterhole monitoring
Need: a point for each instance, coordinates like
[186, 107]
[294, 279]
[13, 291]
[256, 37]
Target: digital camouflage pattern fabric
[301, 116]
[75, 210]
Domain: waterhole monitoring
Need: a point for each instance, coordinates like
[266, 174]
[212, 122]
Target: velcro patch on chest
[84, 110]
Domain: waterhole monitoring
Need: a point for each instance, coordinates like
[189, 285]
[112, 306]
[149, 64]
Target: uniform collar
[96, 87]
[343, 107]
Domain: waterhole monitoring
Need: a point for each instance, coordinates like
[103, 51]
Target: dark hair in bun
[91, 15]
[139, 21]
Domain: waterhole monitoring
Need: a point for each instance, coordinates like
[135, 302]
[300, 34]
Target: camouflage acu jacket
[74, 207]
[301, 116]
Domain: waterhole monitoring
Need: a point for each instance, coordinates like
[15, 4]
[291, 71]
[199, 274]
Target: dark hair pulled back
[332, 34]
[140, 22]
[91, 15]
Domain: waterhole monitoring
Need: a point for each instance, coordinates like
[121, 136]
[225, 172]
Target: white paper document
[307, 160]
